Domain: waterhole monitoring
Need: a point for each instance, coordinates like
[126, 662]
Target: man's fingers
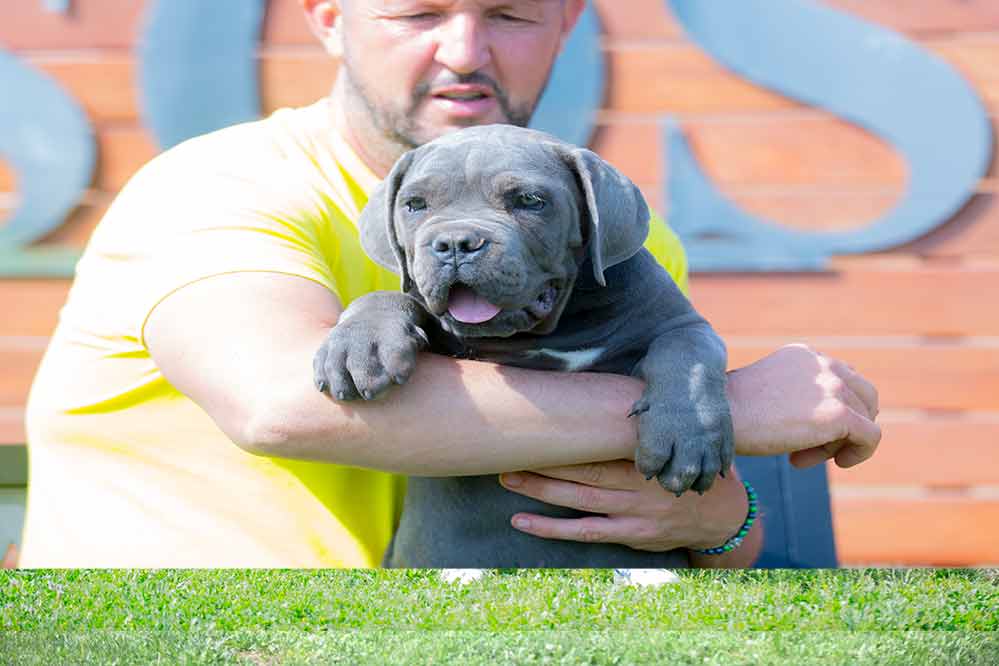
[592, 529]
[854, 403]
[861, 440]
[853, 454]
[613, 474]
[569, 494]
[816, 455]
[862, 388]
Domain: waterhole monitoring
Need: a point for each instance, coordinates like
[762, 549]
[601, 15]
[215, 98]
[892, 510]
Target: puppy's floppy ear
[618, 214]
[377, 222]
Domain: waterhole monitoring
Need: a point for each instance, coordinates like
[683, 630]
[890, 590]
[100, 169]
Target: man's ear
[325, 18]
[618, 217]
[379, 237]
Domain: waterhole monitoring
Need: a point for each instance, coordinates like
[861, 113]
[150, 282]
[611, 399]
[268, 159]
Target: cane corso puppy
[517, 248]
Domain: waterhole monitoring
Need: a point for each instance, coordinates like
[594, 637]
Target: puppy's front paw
[684, 444]
[361, 358]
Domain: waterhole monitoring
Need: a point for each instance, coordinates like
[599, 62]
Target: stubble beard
[400, 127]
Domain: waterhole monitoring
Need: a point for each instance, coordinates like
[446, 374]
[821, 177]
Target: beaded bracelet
[736, 540]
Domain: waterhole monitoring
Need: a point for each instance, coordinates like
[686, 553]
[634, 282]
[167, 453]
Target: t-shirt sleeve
[666, 247]
[179, 221]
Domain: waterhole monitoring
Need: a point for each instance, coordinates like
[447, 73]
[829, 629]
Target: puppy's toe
[710, 467]
[340, 383]
[368, 374]
[319, 370]
[399, 361]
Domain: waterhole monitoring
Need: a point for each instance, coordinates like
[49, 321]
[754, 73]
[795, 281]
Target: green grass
[550, 616]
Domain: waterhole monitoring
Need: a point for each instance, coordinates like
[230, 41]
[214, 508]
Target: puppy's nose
[458, 244]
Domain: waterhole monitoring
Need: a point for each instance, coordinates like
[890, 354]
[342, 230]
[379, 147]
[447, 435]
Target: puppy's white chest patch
[572, 361]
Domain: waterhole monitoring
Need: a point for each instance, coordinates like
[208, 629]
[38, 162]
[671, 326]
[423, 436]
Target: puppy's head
[488, 226]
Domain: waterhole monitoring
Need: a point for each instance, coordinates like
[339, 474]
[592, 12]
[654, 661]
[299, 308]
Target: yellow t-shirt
[124, 470]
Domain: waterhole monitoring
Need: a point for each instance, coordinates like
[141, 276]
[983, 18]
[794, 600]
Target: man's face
[422, 68]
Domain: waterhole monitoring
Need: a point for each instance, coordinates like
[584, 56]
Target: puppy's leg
[372, 346]
[685, 426]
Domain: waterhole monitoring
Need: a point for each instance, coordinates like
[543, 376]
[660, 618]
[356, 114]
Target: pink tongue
[468, 307]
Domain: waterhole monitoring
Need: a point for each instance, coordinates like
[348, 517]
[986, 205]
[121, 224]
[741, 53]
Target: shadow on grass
[261, 647]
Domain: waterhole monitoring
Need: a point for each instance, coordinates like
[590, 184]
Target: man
[173, 421]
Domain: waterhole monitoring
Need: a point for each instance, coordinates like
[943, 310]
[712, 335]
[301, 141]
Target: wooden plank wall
[922, 320]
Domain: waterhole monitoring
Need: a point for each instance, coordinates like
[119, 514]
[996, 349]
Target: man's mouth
[464, 101]
[462, 96]
[463, 92]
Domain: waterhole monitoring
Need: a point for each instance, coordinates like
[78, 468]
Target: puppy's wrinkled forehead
[487, 161]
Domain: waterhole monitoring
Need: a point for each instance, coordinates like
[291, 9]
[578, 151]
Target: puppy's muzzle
[458, 245]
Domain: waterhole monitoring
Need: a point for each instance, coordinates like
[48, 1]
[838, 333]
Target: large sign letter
[860, 72]
[46, 137]
[198, 66]
[575, 92]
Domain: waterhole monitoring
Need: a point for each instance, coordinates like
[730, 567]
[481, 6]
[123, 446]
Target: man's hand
[795, 401]
[801, 402]
[635, 512]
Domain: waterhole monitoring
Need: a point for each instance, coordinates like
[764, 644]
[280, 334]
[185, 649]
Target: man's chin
[431, 131]
[430, 125]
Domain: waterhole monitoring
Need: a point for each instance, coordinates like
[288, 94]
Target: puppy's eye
[529, 201]
[414, 204]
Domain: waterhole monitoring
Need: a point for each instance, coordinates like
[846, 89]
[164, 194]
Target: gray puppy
[517, 248]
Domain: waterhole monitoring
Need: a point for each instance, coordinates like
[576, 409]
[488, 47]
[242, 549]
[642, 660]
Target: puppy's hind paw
[462, 576]
[645, 577]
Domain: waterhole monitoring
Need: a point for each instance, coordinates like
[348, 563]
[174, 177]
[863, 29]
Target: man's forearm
[463, 417]
[456, 418]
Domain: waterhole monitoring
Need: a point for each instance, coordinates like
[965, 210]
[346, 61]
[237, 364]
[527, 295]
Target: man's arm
[241, 346]
[794, 400]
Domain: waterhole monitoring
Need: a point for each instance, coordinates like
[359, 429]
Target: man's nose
[463, 46]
